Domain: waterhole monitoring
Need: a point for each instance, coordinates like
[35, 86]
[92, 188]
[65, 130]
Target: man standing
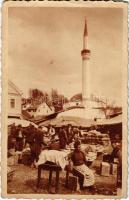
[70, 134]
[36, 147]
[63, 139]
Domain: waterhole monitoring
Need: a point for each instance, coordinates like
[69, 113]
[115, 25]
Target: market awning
[22, 122]
[65, 120]
[114, 120]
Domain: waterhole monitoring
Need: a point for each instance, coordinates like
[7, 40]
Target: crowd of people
[38, 138]
[33, 140]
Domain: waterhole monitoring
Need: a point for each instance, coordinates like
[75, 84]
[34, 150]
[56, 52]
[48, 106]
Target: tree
[58, 100]
[107, 107]
[38, 96]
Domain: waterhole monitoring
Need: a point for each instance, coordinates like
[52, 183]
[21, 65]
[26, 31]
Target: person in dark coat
[36, 147]
[13, 130]
[70, 134]
[63, 139]
[29, 135]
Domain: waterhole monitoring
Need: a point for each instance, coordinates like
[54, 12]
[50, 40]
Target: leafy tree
[58, 100]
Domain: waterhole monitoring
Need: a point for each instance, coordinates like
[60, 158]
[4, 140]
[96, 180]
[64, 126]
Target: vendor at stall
[86, 176]
[63, 139]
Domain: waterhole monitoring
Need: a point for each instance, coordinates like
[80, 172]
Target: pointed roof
[13, 88]
[85, 29]
[26, 115]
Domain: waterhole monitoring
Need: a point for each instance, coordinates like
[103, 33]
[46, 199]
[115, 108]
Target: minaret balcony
[85, 51]
[85, 54]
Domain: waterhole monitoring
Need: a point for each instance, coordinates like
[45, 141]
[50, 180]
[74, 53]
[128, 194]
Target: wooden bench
[49, 166]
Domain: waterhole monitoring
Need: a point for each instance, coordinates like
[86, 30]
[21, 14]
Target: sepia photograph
[65, 99]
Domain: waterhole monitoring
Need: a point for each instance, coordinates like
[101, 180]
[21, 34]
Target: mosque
[89, 108]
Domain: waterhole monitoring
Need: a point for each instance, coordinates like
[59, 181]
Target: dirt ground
[25, 178]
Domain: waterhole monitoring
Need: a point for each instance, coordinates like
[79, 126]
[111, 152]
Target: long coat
[36, 147]
[63, 138]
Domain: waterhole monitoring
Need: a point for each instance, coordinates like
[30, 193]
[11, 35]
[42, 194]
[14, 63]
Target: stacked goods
[114, 168]
[105, 139]
[91, 156]
[14, 157]
[105, 169]
[95, 137]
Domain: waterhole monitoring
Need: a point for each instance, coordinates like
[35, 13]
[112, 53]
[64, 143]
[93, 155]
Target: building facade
[14, 101]
[43, 110]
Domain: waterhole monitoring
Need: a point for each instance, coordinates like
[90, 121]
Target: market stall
[22, 122]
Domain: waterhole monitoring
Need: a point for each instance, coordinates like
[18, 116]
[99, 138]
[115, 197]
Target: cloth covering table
[55, 156]
[52, 160]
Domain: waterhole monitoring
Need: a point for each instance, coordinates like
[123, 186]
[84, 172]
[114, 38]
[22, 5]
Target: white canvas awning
[22, 122]
[65, 120]
[114, 120]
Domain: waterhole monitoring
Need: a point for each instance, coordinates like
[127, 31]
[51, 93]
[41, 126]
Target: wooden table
[49, 166]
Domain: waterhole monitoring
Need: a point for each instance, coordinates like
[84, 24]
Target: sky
[44, 49]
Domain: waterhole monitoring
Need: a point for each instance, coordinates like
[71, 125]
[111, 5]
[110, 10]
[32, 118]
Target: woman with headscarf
[80, 169]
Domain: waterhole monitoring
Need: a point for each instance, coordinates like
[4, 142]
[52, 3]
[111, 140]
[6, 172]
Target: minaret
[85, 53]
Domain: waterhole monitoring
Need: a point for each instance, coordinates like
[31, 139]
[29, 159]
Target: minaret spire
[85, 29]
[85, 53]
[85, 36]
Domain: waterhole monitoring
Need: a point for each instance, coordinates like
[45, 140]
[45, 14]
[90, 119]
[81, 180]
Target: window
[12, 103]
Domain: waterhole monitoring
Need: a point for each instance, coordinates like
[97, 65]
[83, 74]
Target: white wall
[43, 109]
[88, 112]
[70, 104]
[16, 111]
